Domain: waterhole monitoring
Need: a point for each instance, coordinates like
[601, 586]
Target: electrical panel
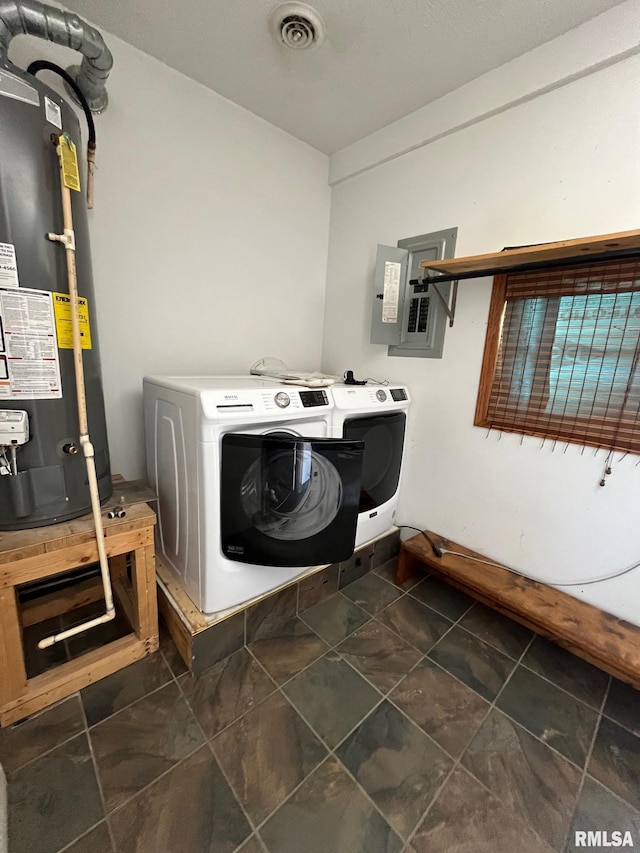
[408, 314]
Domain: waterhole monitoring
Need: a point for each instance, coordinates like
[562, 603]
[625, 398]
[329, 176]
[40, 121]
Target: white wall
[561, 165]
[209, 236]
[589, 47]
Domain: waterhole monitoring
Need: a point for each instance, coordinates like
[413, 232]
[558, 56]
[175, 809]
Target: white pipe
[68, 239]
[71, 632]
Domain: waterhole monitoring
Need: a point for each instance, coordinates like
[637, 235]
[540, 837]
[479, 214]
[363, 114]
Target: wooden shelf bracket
[449, 309]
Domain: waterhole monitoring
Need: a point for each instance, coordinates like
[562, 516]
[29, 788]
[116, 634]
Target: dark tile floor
[380, 720]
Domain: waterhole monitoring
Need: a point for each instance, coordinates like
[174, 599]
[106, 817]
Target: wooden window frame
[555, 428]
[491, 349]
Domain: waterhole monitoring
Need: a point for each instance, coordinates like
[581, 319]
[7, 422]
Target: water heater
[42, 480]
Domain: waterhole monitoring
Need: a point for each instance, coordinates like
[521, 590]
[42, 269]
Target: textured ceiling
[381, 60]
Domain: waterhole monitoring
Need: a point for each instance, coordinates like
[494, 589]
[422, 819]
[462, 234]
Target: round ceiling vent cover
[297, 26]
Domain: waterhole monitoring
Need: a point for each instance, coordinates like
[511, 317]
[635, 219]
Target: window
[562, 355]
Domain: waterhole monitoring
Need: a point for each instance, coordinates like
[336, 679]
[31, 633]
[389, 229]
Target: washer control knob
[282, 399]
[381, 395]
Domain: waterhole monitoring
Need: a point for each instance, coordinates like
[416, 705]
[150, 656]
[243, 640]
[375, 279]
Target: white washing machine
[375, 415]
[252, 488]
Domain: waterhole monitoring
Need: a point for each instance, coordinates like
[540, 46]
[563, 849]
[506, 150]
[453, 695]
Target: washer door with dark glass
[288, 500]
[383, 437]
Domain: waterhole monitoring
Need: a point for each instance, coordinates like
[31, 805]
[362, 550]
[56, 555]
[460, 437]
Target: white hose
[547, 581]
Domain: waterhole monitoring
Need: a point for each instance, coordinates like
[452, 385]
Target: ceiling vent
[297, 26]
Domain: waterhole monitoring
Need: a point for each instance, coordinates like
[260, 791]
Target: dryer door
[289, 500]
[383, 437]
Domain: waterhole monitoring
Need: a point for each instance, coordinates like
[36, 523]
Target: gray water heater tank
[35, 353]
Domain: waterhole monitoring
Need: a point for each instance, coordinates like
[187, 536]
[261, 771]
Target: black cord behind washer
[435, 548]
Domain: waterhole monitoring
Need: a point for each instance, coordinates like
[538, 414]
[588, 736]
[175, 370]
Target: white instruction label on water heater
[53, 112]
[29, 362]
[391, 292]
[8, 266]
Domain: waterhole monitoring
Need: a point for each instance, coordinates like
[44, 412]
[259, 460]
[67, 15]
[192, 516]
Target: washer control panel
[370, 398]
[314, 398]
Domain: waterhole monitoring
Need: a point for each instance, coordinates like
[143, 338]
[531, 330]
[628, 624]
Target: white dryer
[252, 488]
[375, 415]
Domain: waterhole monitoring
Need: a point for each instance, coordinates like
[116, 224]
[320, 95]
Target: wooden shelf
[609, 643]
[546, 254]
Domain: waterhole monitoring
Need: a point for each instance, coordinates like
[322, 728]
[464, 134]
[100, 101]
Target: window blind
[567, 365]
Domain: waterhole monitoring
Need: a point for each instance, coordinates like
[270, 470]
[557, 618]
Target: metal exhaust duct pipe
[29, 17]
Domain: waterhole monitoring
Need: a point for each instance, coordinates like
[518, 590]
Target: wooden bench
[609, 643]
[30, 555]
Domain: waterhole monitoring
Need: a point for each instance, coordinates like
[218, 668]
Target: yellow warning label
[62, 313]
[69, 158]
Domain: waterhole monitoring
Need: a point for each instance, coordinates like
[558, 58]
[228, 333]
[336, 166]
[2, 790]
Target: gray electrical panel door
[388, 302]
[407, 314]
